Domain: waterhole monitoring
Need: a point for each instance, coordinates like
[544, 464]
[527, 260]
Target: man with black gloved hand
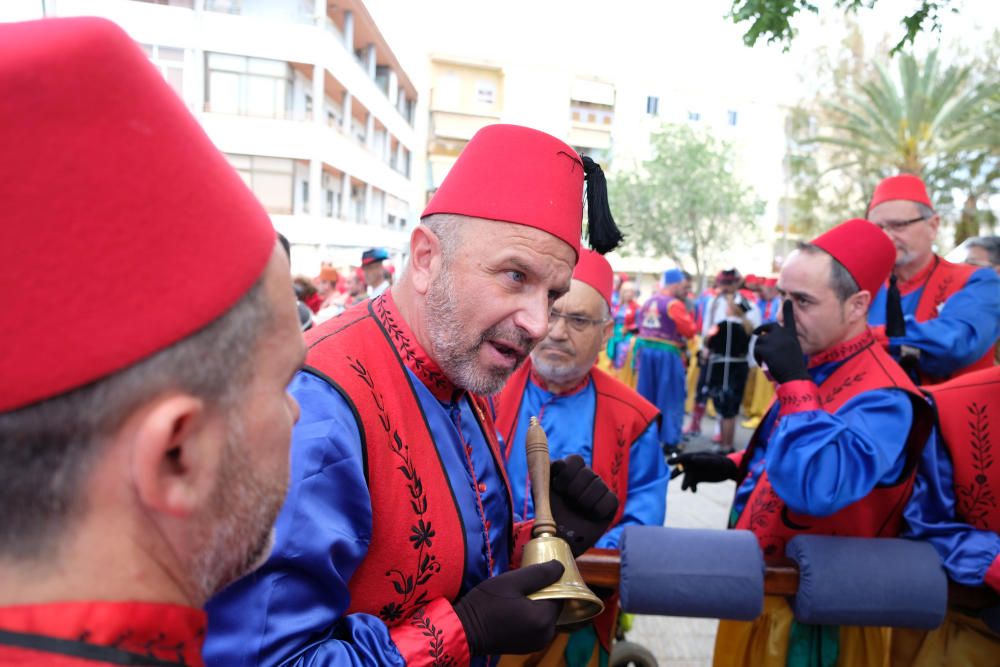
[836, 454]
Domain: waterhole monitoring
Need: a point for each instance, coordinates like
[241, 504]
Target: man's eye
[516, 276]
[578, 322]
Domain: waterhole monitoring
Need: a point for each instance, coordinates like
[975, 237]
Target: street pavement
[688, 642]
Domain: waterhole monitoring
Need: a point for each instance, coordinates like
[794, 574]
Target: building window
[694, 116]
[731, 118]
[486, 92]
[170, 62]
[590, 112]
[271, 179]
[653, 106]
[249, 86]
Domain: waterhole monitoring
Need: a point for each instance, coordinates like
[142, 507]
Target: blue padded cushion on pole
[868, 581]
[691, 572]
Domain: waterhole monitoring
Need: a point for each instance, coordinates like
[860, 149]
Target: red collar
[541, 382]
[844, 350]
[410, 351]
[166, 631]
[918, 279]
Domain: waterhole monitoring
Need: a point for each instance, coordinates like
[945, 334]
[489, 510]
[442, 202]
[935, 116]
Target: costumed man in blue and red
[955, 507]
[838, 451]
[398, 544]
[620, 346]
[143, 442]
[951, 311]
[665, 326]
[593, 419]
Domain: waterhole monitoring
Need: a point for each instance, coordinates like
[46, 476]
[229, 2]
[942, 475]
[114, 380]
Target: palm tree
[913, 123]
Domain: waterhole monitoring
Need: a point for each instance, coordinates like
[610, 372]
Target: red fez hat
[114, 197]
[594, 270]
[866, 252]
[770, 282]
[516, 174]
[906, 187]
[329, 274]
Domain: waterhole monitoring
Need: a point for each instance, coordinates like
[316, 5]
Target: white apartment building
[306, 99]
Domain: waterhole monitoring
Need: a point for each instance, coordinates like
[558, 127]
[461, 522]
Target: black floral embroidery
[406, 585]
[976, 499]
[617, 461]
[429, 375]
[846, 383]
[436, 648]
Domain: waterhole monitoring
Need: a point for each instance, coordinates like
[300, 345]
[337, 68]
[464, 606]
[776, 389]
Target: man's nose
[533, 317]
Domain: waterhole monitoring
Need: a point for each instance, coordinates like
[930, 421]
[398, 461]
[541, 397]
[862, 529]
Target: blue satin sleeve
[646, 504]
[819, 463]
[292, 610]
[966, 552]
[967, 326]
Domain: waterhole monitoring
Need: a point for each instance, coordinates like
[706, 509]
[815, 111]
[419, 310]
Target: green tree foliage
[940, 123]
[685, 202]
[772, 19]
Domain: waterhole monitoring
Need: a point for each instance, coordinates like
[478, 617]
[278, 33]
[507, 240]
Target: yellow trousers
[763, 642]
[961, 641]
[553, 656]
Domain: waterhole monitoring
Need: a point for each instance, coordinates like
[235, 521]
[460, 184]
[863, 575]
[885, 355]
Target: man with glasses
[587, 413]
[951, 311]
[664, 327]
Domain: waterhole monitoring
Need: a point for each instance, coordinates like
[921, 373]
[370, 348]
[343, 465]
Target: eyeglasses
[897, 225]
[574, 322]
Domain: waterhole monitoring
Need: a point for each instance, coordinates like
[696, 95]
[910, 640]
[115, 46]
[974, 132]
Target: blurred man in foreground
[143, 442]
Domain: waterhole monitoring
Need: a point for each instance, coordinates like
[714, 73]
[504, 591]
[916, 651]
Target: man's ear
[425, 257]
[609, 328]
[176, 446]
[856, 307]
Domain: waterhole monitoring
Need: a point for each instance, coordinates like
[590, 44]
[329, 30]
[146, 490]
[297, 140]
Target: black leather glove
[582, 504]
[698, 467]
[778, 347]
[498, 617]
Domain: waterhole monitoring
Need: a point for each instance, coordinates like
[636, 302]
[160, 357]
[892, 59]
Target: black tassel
[603, 234]
[895, 325]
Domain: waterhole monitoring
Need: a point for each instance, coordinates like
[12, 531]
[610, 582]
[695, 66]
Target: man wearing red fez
[589, 417]
[665, 326]
[143, 442]
[951, 312]
[837, 452]
[399, 541]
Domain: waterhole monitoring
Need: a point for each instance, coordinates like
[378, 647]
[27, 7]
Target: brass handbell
[579, 602]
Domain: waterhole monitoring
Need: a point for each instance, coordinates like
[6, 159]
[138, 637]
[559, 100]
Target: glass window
[271, 180]
[249, 86]
[731, 117]
[170, 61]
[694, 116]
[653, 106]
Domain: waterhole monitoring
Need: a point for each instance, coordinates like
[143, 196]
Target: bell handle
[537, 448]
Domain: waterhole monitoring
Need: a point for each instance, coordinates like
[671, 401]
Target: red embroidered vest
[965, 406]
[880, 513]
[417, 548]
[945, 279]
[620, 417]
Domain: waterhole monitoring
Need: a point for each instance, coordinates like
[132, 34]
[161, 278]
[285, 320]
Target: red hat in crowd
[771, 282]
[594, 270]
[866, 252]
[516, 174]
[124, 229]
[906, 187]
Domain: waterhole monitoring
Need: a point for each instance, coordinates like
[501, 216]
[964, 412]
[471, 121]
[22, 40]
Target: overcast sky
[688, 44]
